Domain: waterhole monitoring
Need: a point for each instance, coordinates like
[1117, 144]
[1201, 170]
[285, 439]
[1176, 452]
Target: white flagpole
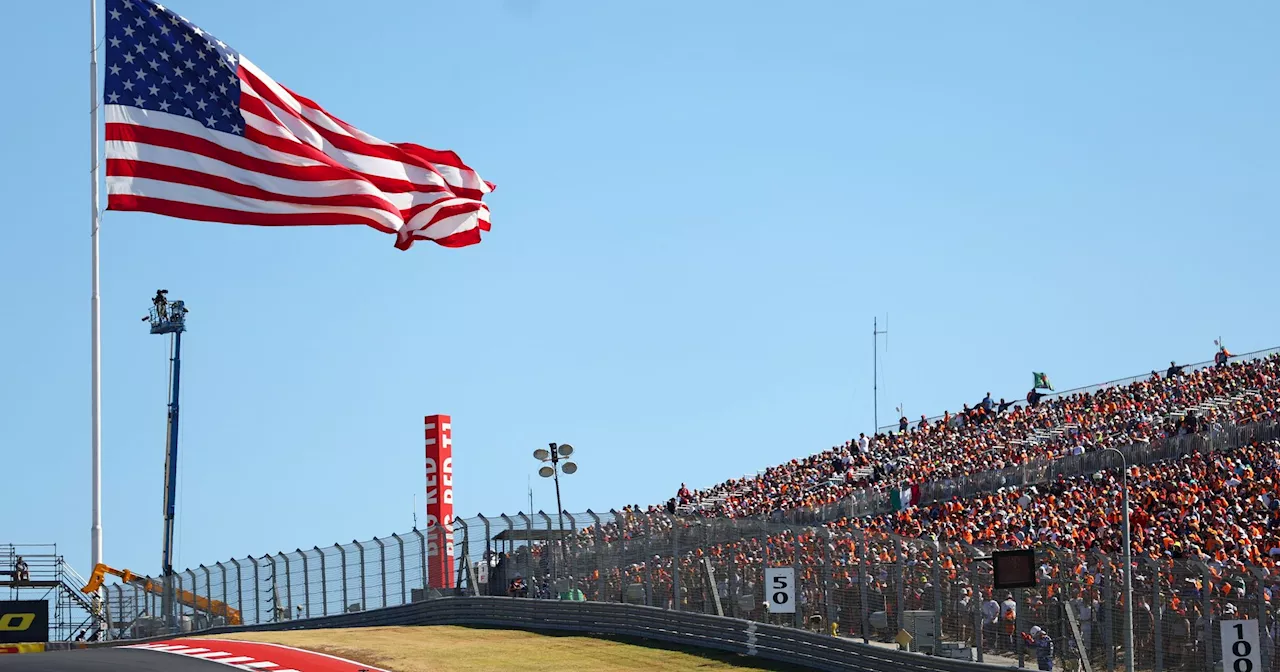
[95, 530]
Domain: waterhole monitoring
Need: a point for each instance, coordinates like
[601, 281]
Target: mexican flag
[1042, 380]
[905, 497]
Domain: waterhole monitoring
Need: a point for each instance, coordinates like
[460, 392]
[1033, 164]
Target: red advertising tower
[439, 440]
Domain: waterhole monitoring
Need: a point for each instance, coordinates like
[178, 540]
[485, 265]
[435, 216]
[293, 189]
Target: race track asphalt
[105, 660]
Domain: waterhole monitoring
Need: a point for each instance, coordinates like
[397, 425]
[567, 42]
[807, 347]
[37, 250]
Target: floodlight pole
[1128, 561]
[554, 458]
[555, 467]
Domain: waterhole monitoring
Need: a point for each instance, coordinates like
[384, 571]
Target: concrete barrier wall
[788, 645]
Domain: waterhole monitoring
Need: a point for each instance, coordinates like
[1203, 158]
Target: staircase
[52, 579]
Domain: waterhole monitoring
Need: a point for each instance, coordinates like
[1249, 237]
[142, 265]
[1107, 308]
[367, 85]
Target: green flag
[1042, 380]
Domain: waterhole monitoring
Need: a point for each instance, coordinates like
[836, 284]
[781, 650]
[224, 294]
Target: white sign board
[1240, 651]
[780, 591]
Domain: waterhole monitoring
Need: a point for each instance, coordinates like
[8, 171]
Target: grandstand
[1203, 445]
[1131, 411]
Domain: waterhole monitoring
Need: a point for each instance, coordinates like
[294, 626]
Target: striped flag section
[196, 131]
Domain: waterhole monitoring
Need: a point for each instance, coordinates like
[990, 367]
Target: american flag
[195, 130]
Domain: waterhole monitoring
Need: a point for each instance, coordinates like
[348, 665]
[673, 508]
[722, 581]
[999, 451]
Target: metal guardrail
[748, 638]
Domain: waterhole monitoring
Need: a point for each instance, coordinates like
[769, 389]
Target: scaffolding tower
[51, 578]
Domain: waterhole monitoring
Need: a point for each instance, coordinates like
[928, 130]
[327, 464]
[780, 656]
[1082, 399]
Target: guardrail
[771, 642]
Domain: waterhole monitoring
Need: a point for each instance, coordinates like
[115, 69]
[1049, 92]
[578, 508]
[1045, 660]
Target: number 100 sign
[780, 590]
[1240, 647]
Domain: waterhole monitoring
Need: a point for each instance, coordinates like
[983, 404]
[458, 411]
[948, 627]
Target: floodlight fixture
[565, 450]
[569, 468]
[542, 454]
[547, 472]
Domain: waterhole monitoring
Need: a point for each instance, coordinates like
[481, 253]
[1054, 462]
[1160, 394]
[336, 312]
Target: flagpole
[95, 530]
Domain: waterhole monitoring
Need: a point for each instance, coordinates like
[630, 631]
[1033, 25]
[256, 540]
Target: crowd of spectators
[1205, 524]
[994, 435]
[1221, 509]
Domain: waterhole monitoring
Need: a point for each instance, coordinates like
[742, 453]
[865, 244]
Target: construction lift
[184, 597]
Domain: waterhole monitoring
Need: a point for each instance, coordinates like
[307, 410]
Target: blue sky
[700, 209]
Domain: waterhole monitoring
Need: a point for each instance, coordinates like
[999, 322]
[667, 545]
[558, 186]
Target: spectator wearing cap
[1040, 640]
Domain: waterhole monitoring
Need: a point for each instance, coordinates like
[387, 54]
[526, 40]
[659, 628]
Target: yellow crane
[185, 598]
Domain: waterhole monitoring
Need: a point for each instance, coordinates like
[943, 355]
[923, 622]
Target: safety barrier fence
[857, 583]
[748, 638]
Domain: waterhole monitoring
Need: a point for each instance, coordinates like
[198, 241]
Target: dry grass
[447, 648]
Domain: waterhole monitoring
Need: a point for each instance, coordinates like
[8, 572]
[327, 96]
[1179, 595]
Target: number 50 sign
[1240, 647]
[780, 590]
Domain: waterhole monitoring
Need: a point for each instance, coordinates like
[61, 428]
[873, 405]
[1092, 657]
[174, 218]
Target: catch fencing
[856, 584]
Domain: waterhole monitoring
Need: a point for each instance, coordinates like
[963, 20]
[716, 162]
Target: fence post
[488, 553]
[342, 553]
[864, 581]
[507, 542]
[403, 588]
[648, 563]
[828, 611]
[1207, 601]
[733, 586]
[528, 540]
[1021, 607]
[239, 591]
[222, 568]
[195, 592]
[275, 582]
[675, 567]
[938, 604]
[488, 536]
[208, 588]
[364, 599]
[382, 569]
[976, 601]
[288, 588]
[622, 555]
[599, 541]
[422, 549]
[900, 563]
[796, 569]
[548, 549]
[306, 584]
[1264, 623]
[565, 543]
[1108, 632]
[465, 560]
[324, 593]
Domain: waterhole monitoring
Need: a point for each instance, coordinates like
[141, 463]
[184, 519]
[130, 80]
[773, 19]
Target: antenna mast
[875, 367]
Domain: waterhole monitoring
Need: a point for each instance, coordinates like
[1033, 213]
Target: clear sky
[700, 208]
